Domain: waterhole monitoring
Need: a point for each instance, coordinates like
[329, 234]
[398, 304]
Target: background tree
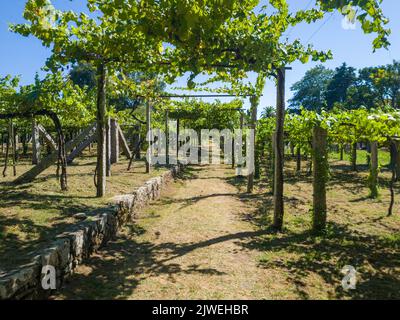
[343, 78]
[310, 91]
[364, 92]
[83, 75]
[386, 79]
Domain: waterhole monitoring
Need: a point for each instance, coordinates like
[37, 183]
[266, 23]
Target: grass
[208, 239]
[359, 234]
[383, 156]
[32, 214]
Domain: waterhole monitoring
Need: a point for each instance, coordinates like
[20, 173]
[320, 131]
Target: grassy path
[187, 245]
[208, 239]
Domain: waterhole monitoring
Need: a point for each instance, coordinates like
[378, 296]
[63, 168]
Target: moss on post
[373, 171]
[279, 151]
[101, 130]
[320, 177]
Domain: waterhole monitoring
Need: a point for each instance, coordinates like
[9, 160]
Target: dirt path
[187, 245]
[204, 240]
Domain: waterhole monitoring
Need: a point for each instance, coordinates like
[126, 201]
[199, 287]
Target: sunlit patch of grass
[207, 238]
[32, 214]
[358, 233]
[362, 155]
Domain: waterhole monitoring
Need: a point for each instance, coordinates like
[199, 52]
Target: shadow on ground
[301, 255]
[298, 255]
[116, 273]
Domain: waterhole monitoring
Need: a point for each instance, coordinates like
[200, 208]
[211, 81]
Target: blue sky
[25, 56]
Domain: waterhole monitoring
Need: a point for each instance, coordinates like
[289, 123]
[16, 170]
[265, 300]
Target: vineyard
[131, 186]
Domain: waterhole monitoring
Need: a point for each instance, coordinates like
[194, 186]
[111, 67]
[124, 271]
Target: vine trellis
[62, 158]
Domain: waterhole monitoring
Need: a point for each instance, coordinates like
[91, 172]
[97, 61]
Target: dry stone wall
[72, 247]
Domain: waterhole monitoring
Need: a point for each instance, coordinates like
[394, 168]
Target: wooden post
[24, 141]
[373, 174]
[16, 144]
[108, 147]
[70, 147]
[392, 148]
[101, 130]
[6, 155]
[279, 151]
[167, 137]
[233, 149]
[397, 162]
[240, 148]
[298, 159]
[138, 143]
[250, 177]
[341, 152]
[177, 140]
[114, 134]
[393, 180]
[35, 143]
[273, 140]
[320, 176]
[148, 128]
[14, 148]
[292, 150]
[354, 156]
[123, 145]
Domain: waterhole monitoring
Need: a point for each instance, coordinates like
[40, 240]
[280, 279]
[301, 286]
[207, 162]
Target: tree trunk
[101, 130]
[279, 151]
[320, 175]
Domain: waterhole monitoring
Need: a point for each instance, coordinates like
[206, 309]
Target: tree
[229, 37]
[131, 89]
[364, 92]
[310, 91]
[375, 86]
[342, 80]
[387, 81]
[83, 75]
[102, 41]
